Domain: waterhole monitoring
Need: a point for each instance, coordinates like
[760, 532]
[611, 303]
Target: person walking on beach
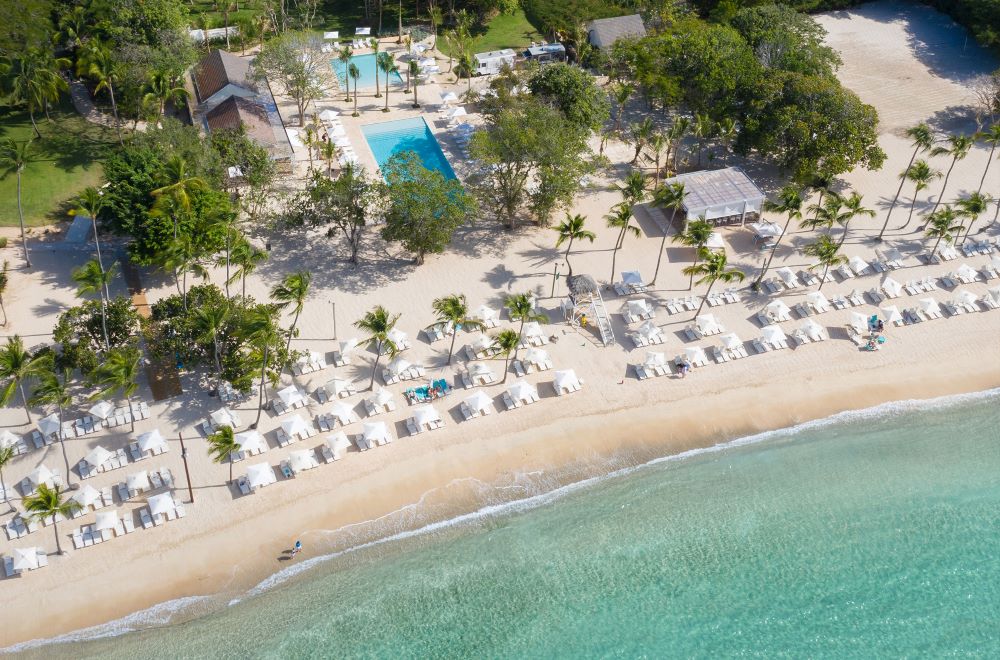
[297, 548]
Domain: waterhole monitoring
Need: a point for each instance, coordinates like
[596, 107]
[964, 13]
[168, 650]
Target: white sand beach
[228, 542]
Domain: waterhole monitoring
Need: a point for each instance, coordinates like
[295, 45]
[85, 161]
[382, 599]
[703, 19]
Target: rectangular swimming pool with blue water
[386, 139]
[366, 67]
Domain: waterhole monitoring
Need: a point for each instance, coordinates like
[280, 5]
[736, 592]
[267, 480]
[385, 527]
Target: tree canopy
[574, 92]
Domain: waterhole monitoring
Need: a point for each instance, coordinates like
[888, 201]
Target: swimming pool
[386, 139]
[366, 67]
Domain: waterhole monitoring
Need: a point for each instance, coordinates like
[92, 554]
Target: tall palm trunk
[506, 364]
[378, 356]
[228, 260]
[566, 257]
[291, 331]
[131, 412]
[34, 126]
[989, 161]
[913, 205]
[55, 529]
[24, 398]
[263, 376]
[3, 488]
[20, 217]
[697, 258]
[843, 237]
[114, 109]
[826, 271]
[62, 445]
[218, 363]
[451, 349]
[943, 187]
[704, 298]
[936, 244]
[104, 322]
[902, 182]
[770, 258]
[614, 254]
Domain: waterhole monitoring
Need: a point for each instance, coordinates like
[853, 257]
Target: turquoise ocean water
[873, 534]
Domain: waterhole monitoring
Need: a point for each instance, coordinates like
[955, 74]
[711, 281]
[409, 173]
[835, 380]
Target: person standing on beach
[297, 548]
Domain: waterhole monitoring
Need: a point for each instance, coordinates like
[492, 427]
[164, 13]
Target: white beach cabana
[632, 278]
[722, 196]
[964, 297]
[695, 355]
[637, 308]
[97, 456]
[151, 441]
[41, 475]
[654, 360]
[813, 330]
[137, 481]
[9, 439]
[537, 356]
[481, 370]
[859, 322]
[376, 432]
[160, 505]
[966, 273]
[105, 520]
[347, 347]
[818, 301]
[398, 338]
[565, 381]
[892, 314]
[337, 387]
[486, 314]
[302, 459]
[649, 331]
[892, 288]
[858, 265]
[731, 342]
[86, 495]
[344, 413]
[101, 409]
[291, 396]
[532, 329]
[49, 426]
[382, 397]
[707, 324]
[295, 426]
[483, 343]
[521, 391]
[787, 276]
[225, 417]
[24, 559]
[398, 365]
[479, 403]
[260, 475]
[773, 334]
[777, 310]
[929, 306]
[426, 416]
[251, 442]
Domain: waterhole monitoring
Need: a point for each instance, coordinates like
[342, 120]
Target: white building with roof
[494, 61]
[723, 197]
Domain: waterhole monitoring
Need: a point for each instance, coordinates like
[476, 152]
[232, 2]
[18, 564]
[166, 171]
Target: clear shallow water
[366, 69]
[876, 536]
[388, 138]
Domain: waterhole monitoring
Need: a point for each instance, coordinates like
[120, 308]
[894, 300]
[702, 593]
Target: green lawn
[504, 31]
[67, 159]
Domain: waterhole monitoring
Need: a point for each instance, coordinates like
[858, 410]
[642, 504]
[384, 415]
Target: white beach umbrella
[396, 336]
[731, 341]
[479, 402]
[995, 294]
[533, 329]
[448, 97]
[151, 440]
[777, 308]
[638, 307]
[225, 417]
[965, 272]
[261, 474]
[294, 425]
[328, 114]
[857, 264]
[335, 386]
[302, 459]
[290, 395]
[375, 431]
[995, 262]
[787, 276]
[483, 343]
[343, 412]
[381, 397]
[812, 329]
[338, 442]
[965, 297]
[41, 475]
[346, 347]
[929, 305]
[87, 495]
[519, 390]
[565, 379]
[98, 456]
[859, 322]
[137, 481]
[632, 278]
[8, 439]
[424, 415]
[485, 313]
[106, 520]
[715, 241]
[480, 370]
[892, 314]
[25, 559]
[649, 330]
[707, 324]
[655, 359]
[161, 504]
[695, 354]
[398, 365]
[891, 287]
[536, 356]
[101, 409]
[49, 425]
[773, 334]
[765, 229]
[892, 254]
[457, 112]
[817, 299]
[250, 441]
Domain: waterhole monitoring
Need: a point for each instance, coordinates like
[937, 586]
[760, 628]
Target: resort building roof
[259, 124]
[726, 196]
[219, 69]
[604, 32]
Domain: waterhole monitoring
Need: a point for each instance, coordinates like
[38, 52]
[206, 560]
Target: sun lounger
[875, 296]
[844, 272]
[145, 518]
[720, 355]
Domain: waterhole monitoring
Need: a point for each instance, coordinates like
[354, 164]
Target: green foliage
[237, 149]
[26, 24]
[294, 59]
[551, 17]
[574, 92]
[425, 208]
[78, 332]
[785, 39]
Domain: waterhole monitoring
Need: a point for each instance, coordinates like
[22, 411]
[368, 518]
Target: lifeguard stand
[585, 300]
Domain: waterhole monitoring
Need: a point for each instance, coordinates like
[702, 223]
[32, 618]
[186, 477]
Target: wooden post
[187, 473]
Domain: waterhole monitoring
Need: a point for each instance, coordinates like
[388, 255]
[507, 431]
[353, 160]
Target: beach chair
[844, 272]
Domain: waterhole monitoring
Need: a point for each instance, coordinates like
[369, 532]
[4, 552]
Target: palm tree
[790, 203]
[32, 77]
[640, 132]
[53, 389]
[821, 184]
[506, 342]
[262, 333]
[621, 219]
[209, 322]
[225, 8]
[675, 134]
[6, 455]
[972, 207]
[942, 225]
[703, 130]
[344, 57]
[696, 236]
[90, 278]
[621, 93]
[354, 73]
[713, 268]
[413, 71]
[851, 208]
[14, 157]
[16, 367]
[725, 131]
[163, 89]
[570, 230]
[119, 373]
[633, 189]
[658, 144]
[825, 214]
[222, 446]
[387, 65]
[99, 63]
[958, 148]
[292, 291]
[182, 256]
[921, 175]
[466, 66]
[90, 203]
[373, 44]
[922, 140]
[246, 257]
[521, 308]
[4, 281]
[178, 187]
[376, 324]
[670, 196]
[48, 503]
[827, 254]
[454, 310]
[990, 136]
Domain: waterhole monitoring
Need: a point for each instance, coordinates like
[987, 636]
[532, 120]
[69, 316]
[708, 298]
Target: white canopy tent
[302, 459]
[250, 441]
[424, 415]
[294, 425]
[291, 396]
[137, 481]
[97, 456]
[519, 390]
[225, 417]
[41, 475]
[376, 432]
[695, 354]
[260, 475]
[725, 196]
[812, 330]
[731, 341]
[151, 441]
[87, 495]
[566, 379]
[398, 365]
[891, 287]
[479, 402]
[773, 334]
[343, 412]
[49, 426]
[536, 356]
[25, 559]
[8, 439]
[892, 314]
[161, 504]
[101, 409]
[105, 520]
